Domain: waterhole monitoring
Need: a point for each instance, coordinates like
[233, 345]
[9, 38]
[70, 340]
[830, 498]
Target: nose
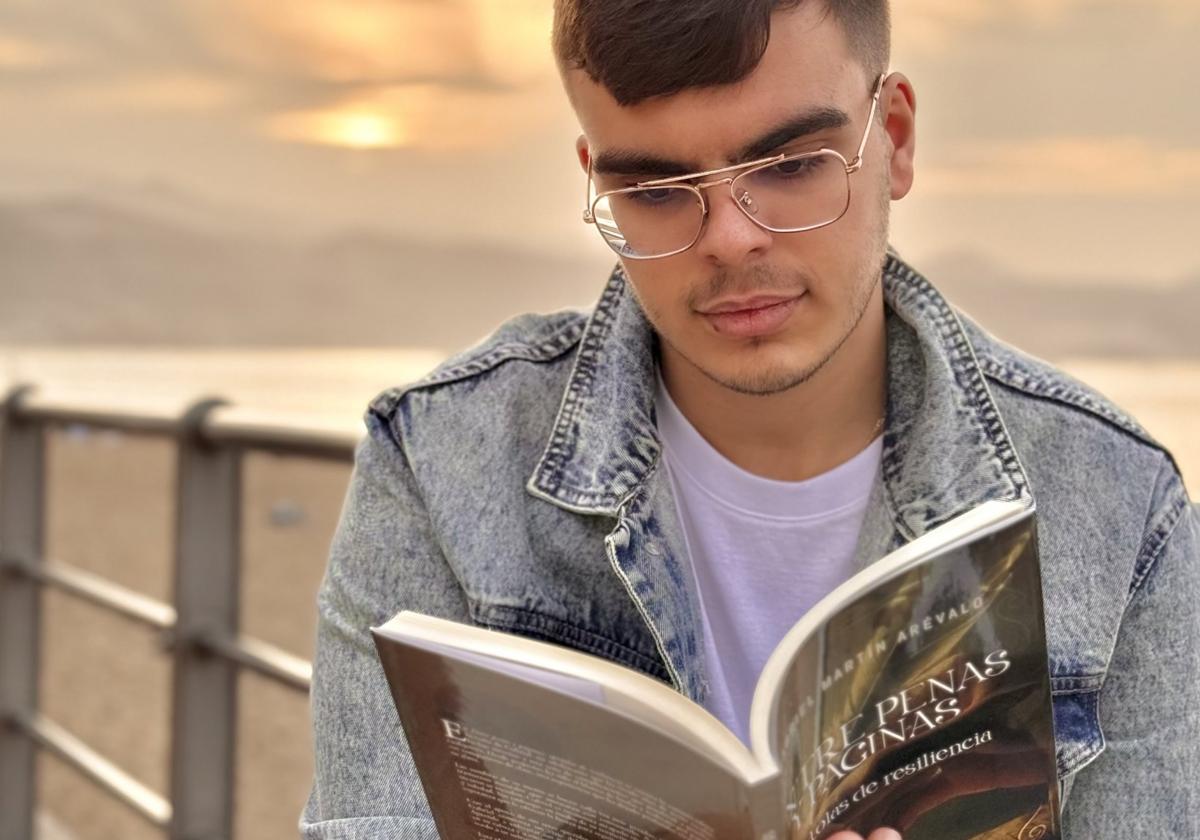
[730, 237]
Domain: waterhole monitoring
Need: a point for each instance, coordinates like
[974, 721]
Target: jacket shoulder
[1037, 379]
[535, 339]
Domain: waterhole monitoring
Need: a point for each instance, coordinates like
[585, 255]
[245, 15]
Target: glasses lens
[798, 193]
[649, 222]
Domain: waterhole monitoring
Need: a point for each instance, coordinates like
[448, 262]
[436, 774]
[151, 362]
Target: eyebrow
[810, 122]
[633, 163]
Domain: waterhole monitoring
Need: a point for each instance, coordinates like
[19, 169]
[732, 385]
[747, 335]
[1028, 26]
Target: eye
[662, 197]
[797, 167]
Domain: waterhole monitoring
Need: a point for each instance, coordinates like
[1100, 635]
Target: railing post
[207, 555]
[22, 497]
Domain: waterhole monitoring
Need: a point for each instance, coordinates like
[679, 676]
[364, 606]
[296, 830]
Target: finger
[885, 834]
[844, 835]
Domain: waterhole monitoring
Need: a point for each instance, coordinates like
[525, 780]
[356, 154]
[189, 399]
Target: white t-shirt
[763, 551]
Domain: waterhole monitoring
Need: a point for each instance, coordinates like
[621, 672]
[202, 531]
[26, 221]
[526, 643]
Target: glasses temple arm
[588, 218]
[862, 146]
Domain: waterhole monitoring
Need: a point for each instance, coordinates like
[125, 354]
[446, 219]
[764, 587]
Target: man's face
[755, 311]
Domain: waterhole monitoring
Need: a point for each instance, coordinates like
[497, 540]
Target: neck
[804, 431]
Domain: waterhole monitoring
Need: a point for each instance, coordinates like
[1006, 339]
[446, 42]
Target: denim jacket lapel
[945, 447]
[604, 458]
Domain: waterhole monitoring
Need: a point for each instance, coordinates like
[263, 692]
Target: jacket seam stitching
[1068, 397]
[579, 383]
[595, 642]
[1153, 545]
[627, 504]
[975, 383]
[552, 347]
[545, 350]
[1060, 686]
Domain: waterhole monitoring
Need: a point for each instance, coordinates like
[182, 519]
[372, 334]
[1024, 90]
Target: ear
[582, 150]
[899, 104]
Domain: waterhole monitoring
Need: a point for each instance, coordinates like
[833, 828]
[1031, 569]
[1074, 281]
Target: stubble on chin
[763, 380]
[768, 381]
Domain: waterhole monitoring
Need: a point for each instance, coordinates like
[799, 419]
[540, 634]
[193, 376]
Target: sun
[363, 131]
[346, 127]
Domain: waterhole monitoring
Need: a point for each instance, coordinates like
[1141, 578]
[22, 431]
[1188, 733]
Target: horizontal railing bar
[280, 437]
[265, 659]
[97, 590]
[145, 802]
[227, 425]
[259, 656]
[143, 421]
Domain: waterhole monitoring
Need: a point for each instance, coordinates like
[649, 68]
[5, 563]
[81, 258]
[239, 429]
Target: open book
[915, 696]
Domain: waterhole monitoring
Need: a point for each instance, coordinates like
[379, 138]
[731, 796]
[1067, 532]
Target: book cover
[916, 696]
[924, 704]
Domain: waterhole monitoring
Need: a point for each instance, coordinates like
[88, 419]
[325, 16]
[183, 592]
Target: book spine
[766, 806]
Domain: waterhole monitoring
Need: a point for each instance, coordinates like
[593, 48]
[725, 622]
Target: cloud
[465, 43]
[387, 74]
[22, 53]
[363, 73]
[1066, 166]
[1097, 69]
[514, 39]
[364, 41]
[168, 92]
[116, 36]
[945, 25]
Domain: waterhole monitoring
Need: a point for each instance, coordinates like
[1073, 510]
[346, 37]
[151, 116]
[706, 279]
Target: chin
[766, 378]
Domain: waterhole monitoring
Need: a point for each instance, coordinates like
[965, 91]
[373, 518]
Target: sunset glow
[419, 76]
[512, 39]
[1054, 132]
[364, 131]
[351, 129]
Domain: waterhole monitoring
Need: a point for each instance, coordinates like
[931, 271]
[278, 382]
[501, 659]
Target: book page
[924, 705]
[554, 680]
[503, 758]
[623, 690]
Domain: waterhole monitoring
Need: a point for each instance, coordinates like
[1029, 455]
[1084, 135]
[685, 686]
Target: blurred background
[295, 205]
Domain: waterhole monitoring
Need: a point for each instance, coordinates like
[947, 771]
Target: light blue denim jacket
[519, 487]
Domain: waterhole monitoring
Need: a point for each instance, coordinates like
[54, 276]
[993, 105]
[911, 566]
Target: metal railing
[200, 629]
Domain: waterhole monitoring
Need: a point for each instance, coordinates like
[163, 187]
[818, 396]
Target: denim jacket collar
[945, 446]
[604, 443]
[945, 450]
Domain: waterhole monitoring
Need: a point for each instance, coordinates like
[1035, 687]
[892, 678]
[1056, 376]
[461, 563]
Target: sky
[1057, 137]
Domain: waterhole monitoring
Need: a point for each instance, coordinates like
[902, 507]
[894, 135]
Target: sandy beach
[111, 511]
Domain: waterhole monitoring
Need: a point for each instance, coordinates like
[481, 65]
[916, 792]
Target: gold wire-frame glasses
[599, 210]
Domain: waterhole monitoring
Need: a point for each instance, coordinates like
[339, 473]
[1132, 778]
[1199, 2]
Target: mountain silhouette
[82, 270]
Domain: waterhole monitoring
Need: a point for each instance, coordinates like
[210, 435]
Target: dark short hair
[640, 49]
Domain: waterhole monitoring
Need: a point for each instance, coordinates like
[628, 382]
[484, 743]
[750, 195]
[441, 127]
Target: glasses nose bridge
[744, 203]
[727, 180]
[706, 184]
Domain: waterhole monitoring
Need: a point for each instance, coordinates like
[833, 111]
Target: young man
[764, 399]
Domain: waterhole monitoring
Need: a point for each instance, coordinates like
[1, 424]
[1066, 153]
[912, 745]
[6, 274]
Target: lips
[746, 304]
[752, 317]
